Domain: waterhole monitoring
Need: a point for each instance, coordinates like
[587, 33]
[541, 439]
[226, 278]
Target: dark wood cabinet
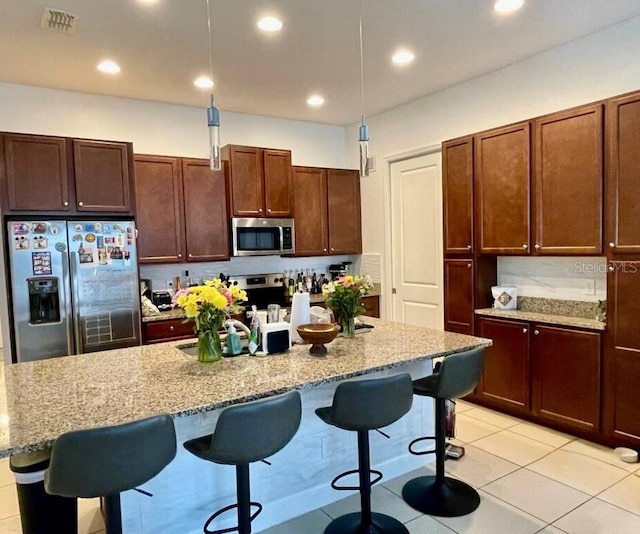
[102, 176]
[159, 209]
[309, 187]
[506, 380]
[343, 207]
[623, 174]
[166, 330]
[371, 305]
[205, 211]
[327, 211]
[72, 176]
[457, 196]
[259, 181]
[568, 181]
[621, 385]
[459, 286]
[501, 186]
[566, 376]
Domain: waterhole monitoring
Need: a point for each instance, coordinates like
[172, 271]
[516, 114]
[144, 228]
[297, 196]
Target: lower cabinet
[458, 298]
[550, 374]
[167, 330]
[371, 306]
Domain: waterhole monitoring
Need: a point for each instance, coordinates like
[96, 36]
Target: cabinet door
[505, 379]
[566, 376]
[101, 176]
[36, 173]
[623, 179]
[621, 386]
[568, 182]
[501, 186]
[159, 209]
[246, 180]
[371, 306]
[277, 182]
[458, 296]
[310, 210]
[205, 211]
[457, 193]
[343, 199]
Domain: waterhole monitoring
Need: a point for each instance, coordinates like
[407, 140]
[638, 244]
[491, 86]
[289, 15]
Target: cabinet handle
[536, 332]
[469, 247]
[66, 203]
[171, 328]
[524, 330]
[525, 246]
[537, 246]
[611, 268]
[469, 265]
[612, 244]
[80, 203]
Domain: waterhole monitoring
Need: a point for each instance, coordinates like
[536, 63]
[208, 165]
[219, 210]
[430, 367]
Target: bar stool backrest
[97, 462]
[459, 374]
[255, 430]
[371, 403]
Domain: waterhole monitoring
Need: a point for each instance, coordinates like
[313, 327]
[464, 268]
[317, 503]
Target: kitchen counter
[43, 399]
[175, 313]
[548, 318]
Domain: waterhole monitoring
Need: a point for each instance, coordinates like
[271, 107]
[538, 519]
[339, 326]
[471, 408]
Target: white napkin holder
[505, 297]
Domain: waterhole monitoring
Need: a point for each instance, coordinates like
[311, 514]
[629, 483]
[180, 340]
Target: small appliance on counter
[162, 300]
[145, 288]
[505, 297]
[275, 337]
[336, 270]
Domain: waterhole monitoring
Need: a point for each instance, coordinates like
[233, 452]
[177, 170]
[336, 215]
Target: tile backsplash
[568, 278]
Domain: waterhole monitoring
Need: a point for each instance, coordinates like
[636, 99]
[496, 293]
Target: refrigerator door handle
[67, 302]
[75, 304]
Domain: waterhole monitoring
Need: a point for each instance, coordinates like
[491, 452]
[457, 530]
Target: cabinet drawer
[371, 306]
[157, 331]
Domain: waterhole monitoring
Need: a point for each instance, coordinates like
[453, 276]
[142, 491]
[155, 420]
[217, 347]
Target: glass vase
[209, 346]
[348, 327]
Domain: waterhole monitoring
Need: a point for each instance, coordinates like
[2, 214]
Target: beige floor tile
[312, 523]
[478, 467]
[550, 529]
[625, 494]
[89, 516]
[495, 418]
[578, 471]
[494, 516]
[542, 434]
[6, 476]
[599, 452]
[8, 501]
[464, 406]
[598, 517]
[539, 496]
[11, 525]
[396, 484]
[513, 447]
[469, 429]
[427, 525]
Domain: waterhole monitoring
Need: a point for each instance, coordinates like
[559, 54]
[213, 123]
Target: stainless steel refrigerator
[74, 287]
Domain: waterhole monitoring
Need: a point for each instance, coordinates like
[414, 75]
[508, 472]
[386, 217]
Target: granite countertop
[41, 400]
[549, 318]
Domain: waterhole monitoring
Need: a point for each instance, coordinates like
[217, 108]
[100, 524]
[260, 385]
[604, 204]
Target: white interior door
[416, 223]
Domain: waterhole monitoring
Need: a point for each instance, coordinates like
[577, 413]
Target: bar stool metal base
[352, 524]
[444, 498]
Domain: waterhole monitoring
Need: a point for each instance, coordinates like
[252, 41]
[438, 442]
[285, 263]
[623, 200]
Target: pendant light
[363, 137]
[213, 113]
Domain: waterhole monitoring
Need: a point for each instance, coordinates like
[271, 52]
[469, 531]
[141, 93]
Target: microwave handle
[281, 231]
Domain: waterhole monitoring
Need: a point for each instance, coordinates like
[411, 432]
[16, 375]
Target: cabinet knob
[179, 255]
[259, 210]
[469, 264]
[524, 330]
[525, 246]
[333, 249]
[324, 249]
[66, 202]
[536, 332]
[80, 203]
[469, 247]
[171, 328]
[612, 244]
[537, 246]
[611, 268]
[269, 210]
[190, 255]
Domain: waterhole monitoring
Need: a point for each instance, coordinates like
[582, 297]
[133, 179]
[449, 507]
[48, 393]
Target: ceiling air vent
[58, 20]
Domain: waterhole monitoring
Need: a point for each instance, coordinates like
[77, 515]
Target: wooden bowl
[318, 334]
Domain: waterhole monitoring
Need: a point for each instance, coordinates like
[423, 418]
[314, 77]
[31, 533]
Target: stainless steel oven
[262, 237]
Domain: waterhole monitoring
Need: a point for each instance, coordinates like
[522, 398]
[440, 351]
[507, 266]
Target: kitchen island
[40, 400]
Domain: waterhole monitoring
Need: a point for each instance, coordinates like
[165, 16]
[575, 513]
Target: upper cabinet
[568, 178]
[259, 181]
[623, 187]
[501, 186]
[55, 174]
[457, 192]
[327, 211]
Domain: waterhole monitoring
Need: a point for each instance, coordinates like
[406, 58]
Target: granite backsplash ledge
[572, 308]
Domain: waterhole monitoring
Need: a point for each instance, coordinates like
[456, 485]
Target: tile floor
[531, 480]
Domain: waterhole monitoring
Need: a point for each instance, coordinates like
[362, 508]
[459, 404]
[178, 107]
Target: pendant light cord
[361, 63]
[210, 46]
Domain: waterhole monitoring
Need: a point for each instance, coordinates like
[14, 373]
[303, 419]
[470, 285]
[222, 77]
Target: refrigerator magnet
[40, 242]
[90, 238]
[54, 228]
[106, 228]
[90, 227]
[126, 257]
[41, 262]
[20, 228]
[98, 227]
[39, 228]
[21, 243]
[78, 228]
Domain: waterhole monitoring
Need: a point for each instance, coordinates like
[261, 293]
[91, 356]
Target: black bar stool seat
[440, 495]
[104, 461]
[361, 406]
[247, 433]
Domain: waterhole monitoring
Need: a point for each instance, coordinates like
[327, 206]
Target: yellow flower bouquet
[208, 306]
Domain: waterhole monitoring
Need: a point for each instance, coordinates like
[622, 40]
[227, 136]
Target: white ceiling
[162, 48]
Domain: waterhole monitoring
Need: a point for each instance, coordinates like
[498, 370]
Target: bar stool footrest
[418, 440]
[227, 509]
[334, 485]
[448, 497]
[352, 524]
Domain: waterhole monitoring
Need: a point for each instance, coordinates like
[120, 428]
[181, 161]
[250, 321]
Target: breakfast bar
[41, 400]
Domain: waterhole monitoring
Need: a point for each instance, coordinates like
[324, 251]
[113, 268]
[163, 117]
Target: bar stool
[246, 433]
[104, 461]
[361, 406]
[441, 495]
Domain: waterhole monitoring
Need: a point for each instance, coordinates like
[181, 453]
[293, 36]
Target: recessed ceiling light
[507, 6]
[315, 101]
[203, 82]
[109, 67]
[270, 24]
[403, 57]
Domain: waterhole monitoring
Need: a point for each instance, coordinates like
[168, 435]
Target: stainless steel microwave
[262, 237]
